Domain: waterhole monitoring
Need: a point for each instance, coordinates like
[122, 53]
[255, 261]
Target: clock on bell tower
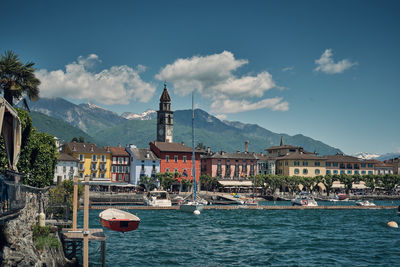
[165, 118]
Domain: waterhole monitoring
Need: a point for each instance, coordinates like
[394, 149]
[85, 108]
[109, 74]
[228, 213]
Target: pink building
[229, 165]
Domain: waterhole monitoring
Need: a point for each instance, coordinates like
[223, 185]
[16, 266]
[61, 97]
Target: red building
[176, 157]
[120, 164]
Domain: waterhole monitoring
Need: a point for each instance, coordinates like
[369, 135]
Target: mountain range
[105, 127]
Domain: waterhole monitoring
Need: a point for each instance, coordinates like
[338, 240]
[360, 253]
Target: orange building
[176, 157]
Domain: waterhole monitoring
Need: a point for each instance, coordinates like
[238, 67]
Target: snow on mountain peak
[365, 155]
[146, 115]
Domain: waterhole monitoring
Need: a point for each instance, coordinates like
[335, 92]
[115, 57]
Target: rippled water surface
[254, 238]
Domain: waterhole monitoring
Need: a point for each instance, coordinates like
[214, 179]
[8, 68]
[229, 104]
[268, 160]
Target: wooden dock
[234, 207]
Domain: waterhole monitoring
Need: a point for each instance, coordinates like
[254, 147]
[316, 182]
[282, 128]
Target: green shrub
[42, 238]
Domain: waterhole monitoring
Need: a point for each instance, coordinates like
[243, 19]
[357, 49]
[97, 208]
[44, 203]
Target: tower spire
[281, 141]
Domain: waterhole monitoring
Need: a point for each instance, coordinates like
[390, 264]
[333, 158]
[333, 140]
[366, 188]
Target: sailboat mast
[193, 154]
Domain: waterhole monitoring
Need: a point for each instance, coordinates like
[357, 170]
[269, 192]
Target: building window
[142, 170]
[296, 171]
[335, 164]
[81, 175]
[305, 171]
[317, 163]
[317, 171]
[356, 172]
[363, 172]
[176, 159]
[175, 170]
[335, 172]
[349, 172]
[184, 159]
[120, 160]
[342, 166]
[297, 163]
[305, 163]
[342, 172]
[81, 158]
[328, 164]
[102, 175]
[328, 171]
[64, 169]
[94, 166]
[166, 158]
[81, 166]
[370, 172]
[363, 165]
[113, 169]
[114, 160]
[166, 169]
[370, 165]
[356, 166]
[103, 158]
[94, 157]
[349, 166]
[93, 175]
[286, 163]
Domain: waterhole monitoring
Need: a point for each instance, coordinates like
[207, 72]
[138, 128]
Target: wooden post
[75, 207]
[86, 224]
[103, 253]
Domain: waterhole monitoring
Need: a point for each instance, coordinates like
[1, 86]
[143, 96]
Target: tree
[38, 156]
[327, 181]
[166, 180]
[347, 181]
[370, 181]
[149, 182]
[17, 79]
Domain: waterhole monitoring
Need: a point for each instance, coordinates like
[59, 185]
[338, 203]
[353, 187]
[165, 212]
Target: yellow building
[93, 161]
[301, 164]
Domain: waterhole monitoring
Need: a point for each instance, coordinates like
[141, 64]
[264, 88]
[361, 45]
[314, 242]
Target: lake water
[254, 238]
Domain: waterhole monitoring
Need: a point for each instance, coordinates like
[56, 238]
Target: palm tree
[17, 79]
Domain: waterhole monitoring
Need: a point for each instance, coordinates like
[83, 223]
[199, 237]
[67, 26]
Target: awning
[338, 185]
[10, 127]
[236, 183]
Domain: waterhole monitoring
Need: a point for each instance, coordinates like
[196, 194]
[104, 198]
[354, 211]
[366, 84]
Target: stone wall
[18, 248]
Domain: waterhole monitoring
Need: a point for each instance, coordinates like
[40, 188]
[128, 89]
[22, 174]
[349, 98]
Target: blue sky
[324, 69]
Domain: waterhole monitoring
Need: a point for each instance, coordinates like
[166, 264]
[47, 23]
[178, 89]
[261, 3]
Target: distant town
[128, 165]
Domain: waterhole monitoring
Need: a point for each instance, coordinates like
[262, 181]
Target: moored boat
[365, 203]
[343, 197]
[157, 198]
[119, 220]
[304, 200]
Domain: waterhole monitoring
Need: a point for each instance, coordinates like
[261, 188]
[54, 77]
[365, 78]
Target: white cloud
[116, 85]
[327, 65]
[212, 76]
[288, 68]
[234, 106]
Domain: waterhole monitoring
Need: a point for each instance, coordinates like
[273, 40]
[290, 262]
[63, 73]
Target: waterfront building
[143, 162]
[381, 168]
[225, 165]
[301, 163]
[175, 158]
[343, 164]
[93, 161]
[281, 150]
[396, 164]
[66, 168]
[120, 164]
[265, 164]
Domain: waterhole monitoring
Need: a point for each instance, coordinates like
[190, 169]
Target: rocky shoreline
[17, 245]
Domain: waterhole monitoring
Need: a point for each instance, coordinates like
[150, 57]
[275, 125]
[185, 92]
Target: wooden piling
[86, 224]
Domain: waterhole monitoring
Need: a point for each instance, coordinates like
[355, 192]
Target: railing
[13, 194]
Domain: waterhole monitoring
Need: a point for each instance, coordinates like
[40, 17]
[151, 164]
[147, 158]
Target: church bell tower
[165, 118]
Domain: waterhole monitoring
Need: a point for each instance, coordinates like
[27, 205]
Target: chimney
[238, 151]
[281, 141]
[183, 143]
[91, 148]
[108, 148]
[246, 146]
[147, 154]
[208, 150]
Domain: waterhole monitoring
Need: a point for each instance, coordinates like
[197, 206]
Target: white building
[66, 168]
[265, 164]
[143, 162]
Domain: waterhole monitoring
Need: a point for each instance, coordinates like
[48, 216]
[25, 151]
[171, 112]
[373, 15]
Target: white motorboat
[304, 200]
[157, 198]
[365, 203]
